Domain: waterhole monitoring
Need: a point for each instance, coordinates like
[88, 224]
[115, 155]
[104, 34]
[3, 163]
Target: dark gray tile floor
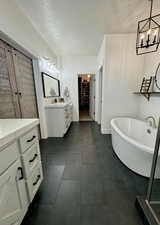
[84, 182]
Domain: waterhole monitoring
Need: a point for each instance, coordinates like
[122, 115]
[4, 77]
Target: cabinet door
[26, 87]
[9, 104]
[13, 196]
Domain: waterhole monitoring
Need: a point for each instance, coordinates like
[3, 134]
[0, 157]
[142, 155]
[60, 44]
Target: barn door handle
[21, 171]
[18, 93]
[31, 138]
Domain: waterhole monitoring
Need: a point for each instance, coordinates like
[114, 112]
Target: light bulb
[142, 36]
[155, 33]
[89, 76]
[149, 31]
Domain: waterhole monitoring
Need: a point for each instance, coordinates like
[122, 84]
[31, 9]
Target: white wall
[151, 107]
[121, 74]
[71, 67]
[17, 26]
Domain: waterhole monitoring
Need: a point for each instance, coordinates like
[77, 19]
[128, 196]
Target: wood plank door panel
[9, 106]
[25, 83]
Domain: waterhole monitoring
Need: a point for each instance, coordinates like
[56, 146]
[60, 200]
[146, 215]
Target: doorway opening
[86, 89]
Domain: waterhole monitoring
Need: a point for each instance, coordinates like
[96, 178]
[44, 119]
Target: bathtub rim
[130, 140]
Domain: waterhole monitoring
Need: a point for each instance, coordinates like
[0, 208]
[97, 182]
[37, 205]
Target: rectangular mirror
[51, 86]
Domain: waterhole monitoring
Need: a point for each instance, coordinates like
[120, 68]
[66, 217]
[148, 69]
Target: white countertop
[10, 129]
[58, 105]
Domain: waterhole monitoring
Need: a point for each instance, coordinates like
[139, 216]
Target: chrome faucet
[151, 121]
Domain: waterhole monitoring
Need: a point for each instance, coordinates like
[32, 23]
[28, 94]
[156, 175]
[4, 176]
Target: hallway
[85, 183]
[84, 115]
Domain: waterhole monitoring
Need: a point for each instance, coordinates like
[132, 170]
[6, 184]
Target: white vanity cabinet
[20, 169]
[58, 118]
[13, 195]
[31, 160]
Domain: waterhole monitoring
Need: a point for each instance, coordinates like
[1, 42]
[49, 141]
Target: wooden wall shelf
[147, 94]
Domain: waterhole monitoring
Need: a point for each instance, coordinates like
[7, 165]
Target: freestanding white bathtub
[133, 141]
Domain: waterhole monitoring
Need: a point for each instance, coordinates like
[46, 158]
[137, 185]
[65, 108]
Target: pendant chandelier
[148, 34]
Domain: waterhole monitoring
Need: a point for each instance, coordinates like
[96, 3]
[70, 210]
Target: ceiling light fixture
[148, 34]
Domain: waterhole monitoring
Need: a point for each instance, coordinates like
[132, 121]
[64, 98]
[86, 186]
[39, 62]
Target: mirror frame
[44, 93]
[156, 78]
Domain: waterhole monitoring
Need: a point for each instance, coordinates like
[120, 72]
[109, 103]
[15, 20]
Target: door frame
[100, 87]
[92, 96]
[79, 74]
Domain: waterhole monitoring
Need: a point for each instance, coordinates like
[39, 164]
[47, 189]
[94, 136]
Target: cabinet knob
[38, 178]
[21, 173]
[34, 157]
[33, 137]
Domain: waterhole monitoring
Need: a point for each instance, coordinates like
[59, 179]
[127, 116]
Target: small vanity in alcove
[58, 118]
[58, 114]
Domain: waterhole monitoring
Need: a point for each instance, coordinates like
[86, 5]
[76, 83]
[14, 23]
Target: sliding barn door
[25, 83]
[9, 104]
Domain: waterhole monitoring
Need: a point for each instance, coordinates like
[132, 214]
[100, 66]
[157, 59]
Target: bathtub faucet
[151, 120]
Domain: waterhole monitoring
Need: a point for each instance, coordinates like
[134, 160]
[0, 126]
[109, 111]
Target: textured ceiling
[77, 27]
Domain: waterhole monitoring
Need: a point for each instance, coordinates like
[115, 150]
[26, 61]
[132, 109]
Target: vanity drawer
[8, 155]
[34, 181]
[28, 139]
[31, 158]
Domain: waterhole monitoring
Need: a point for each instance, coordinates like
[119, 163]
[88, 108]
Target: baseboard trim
[105, 131]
